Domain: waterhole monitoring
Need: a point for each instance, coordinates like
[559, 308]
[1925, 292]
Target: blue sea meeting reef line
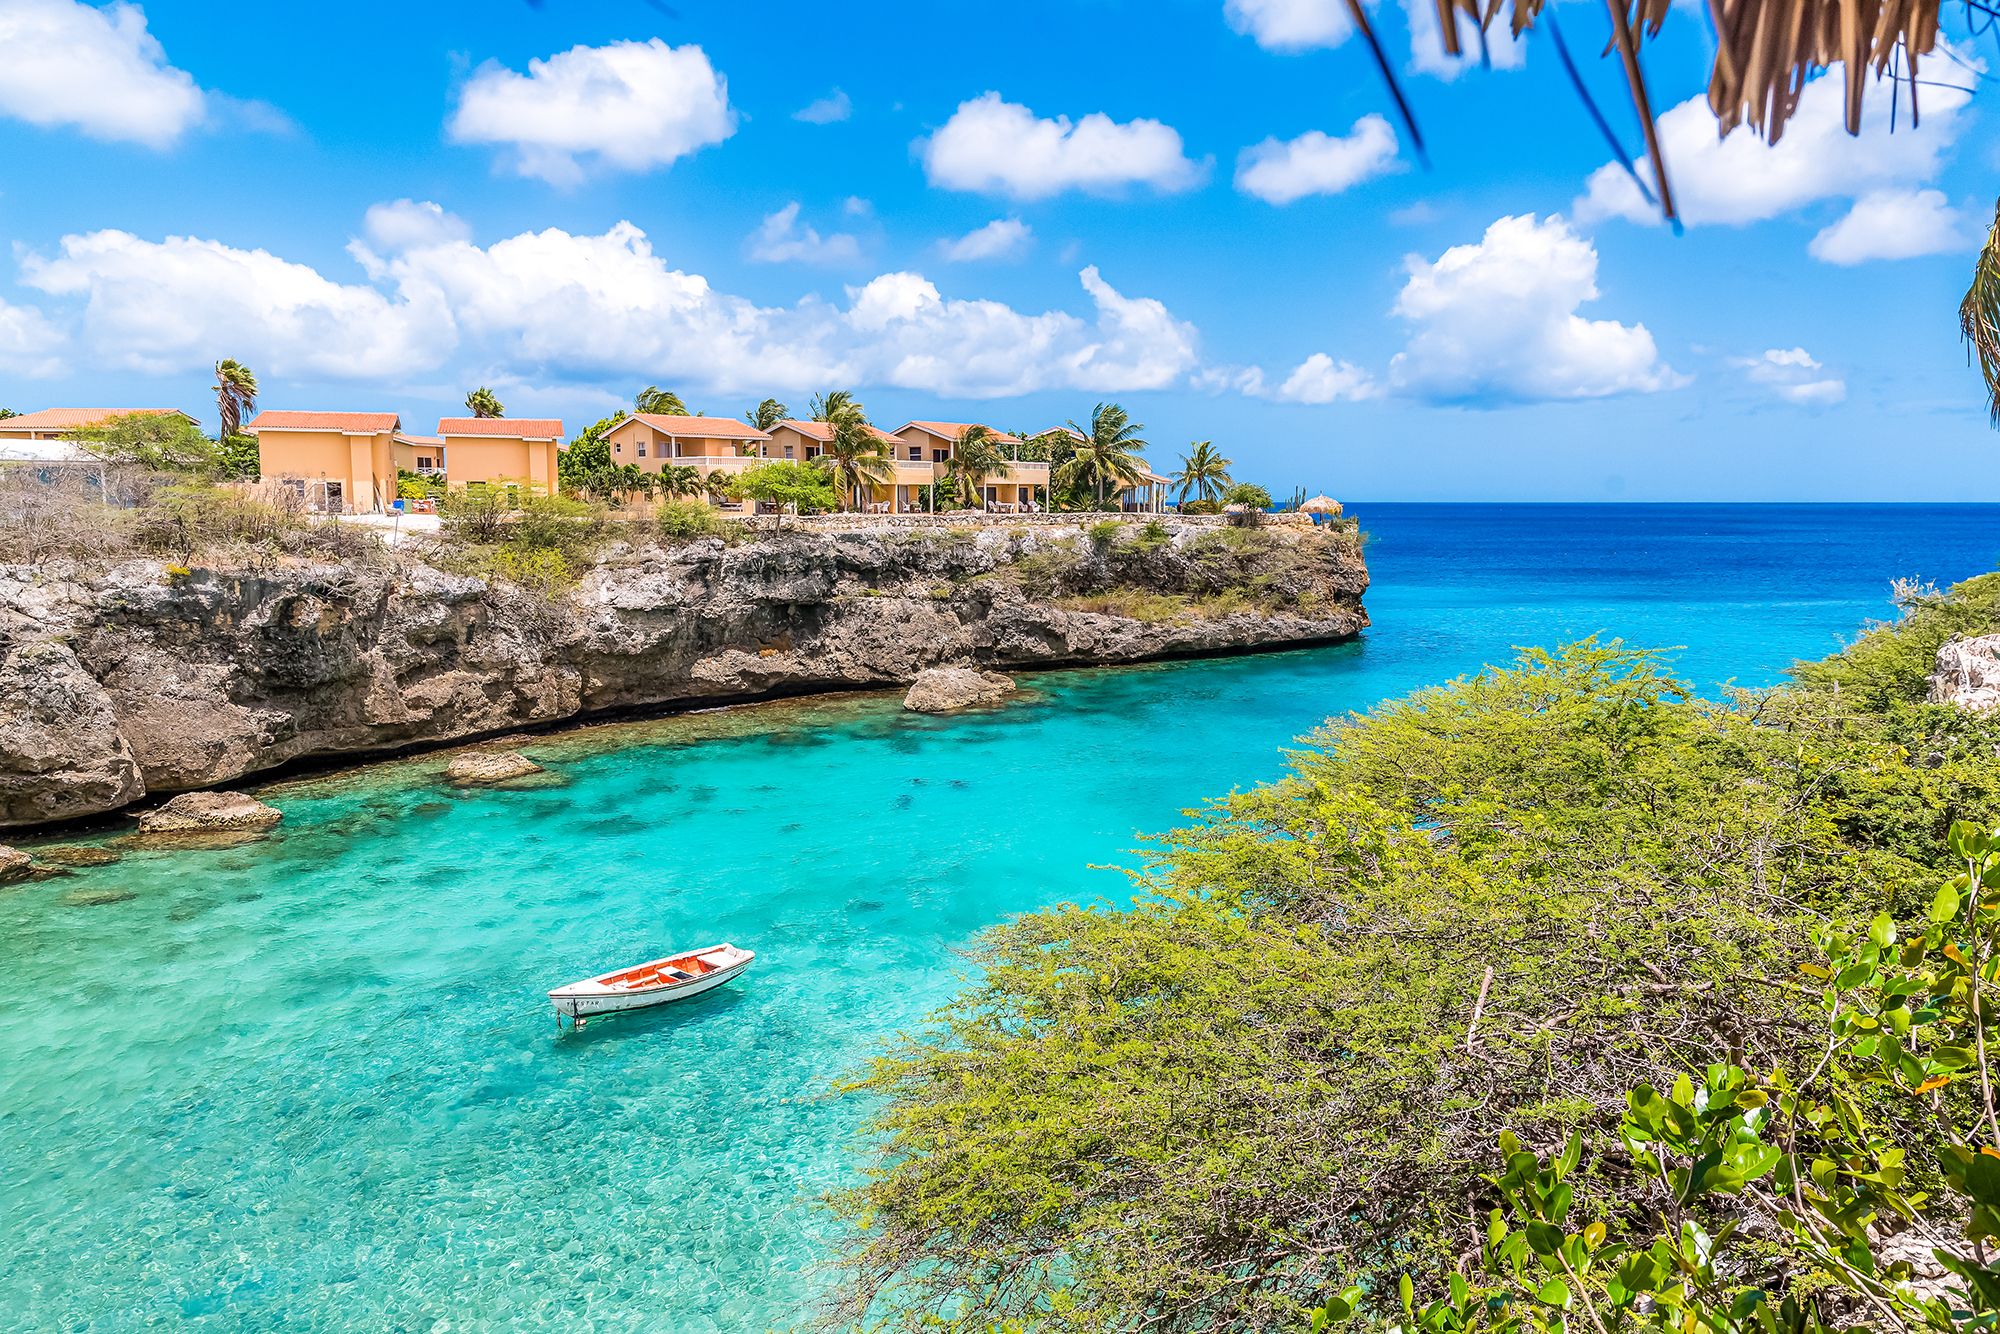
[312, 1083]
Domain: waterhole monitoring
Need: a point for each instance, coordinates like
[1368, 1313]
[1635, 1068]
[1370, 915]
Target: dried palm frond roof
[1766, 52]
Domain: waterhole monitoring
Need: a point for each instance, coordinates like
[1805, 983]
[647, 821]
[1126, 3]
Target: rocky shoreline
[126, 683]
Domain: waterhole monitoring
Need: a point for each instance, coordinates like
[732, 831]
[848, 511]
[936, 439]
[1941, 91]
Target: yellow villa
[420, 454]
[928, 445]
[337, 462]
[501, 449]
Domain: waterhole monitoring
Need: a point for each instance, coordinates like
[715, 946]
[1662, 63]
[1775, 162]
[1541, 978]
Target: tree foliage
[1499, 905]
[767, 414]
[804, 488]
[483, 402]
[1875, 1221]
[159, 441]
[659, 402]
[1204, 473]
[1106, 456]
[235, 395]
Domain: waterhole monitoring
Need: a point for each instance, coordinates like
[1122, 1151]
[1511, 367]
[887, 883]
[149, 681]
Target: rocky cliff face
[124, 682]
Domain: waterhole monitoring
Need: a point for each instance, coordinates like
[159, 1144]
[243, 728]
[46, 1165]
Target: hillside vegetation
[1494, 907]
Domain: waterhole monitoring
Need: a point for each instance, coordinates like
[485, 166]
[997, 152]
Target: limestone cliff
[127, 681]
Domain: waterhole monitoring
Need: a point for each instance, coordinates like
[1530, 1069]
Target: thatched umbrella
[1320, 505]
[1765, 52]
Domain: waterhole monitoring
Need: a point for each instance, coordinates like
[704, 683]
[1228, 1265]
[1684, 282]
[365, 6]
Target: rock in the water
[15, 865]
[76, 854]
[1968, 674]
[489, 766]
[949, 689]
[210, 813]
[62, 753]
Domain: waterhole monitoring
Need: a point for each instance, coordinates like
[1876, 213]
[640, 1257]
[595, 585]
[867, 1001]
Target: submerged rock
[15, 865]
[1968, 674]
[210, 813]
[77, 854]
[949, 689]
[489, 766]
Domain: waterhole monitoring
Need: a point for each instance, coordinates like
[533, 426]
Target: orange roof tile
[817, 430]
[699, 428]
[504, 428]
[358, 423]
[403, 439]
[953, 430]
[72, 419]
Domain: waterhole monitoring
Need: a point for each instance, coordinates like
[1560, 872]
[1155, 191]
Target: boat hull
[587, 1006]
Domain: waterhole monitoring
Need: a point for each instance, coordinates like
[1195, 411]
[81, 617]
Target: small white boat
[654, 983]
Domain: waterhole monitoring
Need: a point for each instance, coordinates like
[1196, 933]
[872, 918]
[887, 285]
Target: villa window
[916, 453]
[788, 451]
[618, 448]
[642, 451]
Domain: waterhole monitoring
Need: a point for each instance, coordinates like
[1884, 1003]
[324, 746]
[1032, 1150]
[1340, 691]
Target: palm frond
[1979, 316]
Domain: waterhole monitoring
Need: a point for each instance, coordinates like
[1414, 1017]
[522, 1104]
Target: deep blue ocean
[313, 1083]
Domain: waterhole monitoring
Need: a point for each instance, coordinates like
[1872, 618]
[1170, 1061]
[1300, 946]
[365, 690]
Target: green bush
[684, 520]
[1493, 906]
[1152, 536]
[1103, 534]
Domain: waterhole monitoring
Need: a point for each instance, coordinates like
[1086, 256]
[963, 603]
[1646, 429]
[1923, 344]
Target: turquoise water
[312, 1083]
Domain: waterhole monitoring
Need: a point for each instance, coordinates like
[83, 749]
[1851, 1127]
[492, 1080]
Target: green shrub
[1103, 534]
[1492, 906]
[473, 513]
[1152, 536]
[685, 520]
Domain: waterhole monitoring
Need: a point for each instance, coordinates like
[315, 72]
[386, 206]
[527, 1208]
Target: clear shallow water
[312, 1083]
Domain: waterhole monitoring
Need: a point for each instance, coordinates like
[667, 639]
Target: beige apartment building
[520, 450]
[337, 462]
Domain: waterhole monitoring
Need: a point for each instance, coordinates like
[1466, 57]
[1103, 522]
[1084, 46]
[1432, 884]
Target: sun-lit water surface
[313, 1084]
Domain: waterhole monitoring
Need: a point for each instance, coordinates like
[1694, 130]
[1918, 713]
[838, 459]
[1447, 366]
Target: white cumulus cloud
[1741, 179]
[1290, 25]
[1002, 238]
[569, 309]
[836, 106]
[628, 106]
[398, 224]
[29, 344]
[159, 307]
[1284, 171]
[97, 70]
[1497, 322]
[1793, 375]
[1321, 379]
[1893, 224]
[992, 146]
[781, 238]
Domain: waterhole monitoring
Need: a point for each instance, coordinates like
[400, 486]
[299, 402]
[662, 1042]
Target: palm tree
[1204, 472]
[483, 402]
[857, 457]
[836, 406]
[767, 414]
[659, 402]
[975, 457]
[680, 480]
[235, 395]
[1979, 315]
[858, 460]
[1108, 452]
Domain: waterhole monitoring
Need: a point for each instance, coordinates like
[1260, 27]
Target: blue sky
[1201, 209]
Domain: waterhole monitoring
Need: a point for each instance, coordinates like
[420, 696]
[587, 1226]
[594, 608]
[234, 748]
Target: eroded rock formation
[120, 683]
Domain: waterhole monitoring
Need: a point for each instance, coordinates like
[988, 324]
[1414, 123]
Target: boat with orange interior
[656, 983]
